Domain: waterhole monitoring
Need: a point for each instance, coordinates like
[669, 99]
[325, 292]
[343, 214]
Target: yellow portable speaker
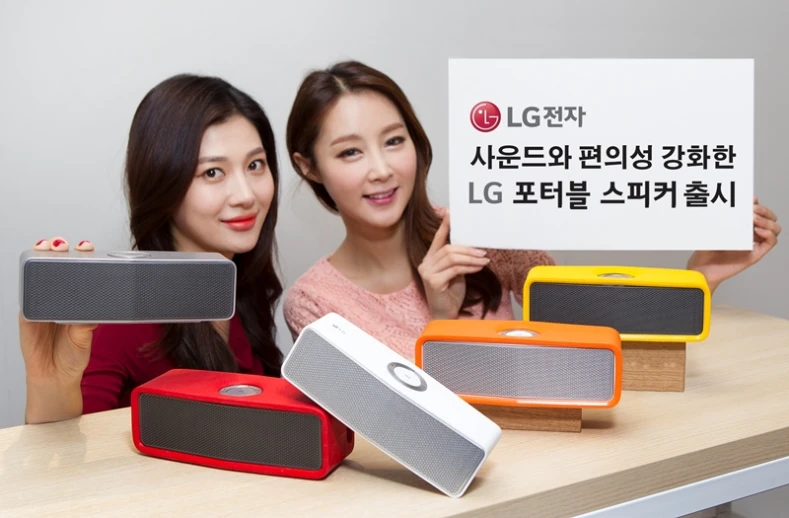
[644, 304]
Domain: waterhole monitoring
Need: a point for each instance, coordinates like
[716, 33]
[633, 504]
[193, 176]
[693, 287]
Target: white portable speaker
[391, 402]
[126, 286]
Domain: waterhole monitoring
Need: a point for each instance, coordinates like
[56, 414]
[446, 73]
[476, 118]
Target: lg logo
[485, 116]
[338, 328]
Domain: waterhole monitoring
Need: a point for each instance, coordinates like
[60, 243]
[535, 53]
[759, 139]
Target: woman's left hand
[717, 266]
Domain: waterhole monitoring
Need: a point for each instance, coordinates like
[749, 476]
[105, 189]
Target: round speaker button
[240, 390]
[521, 333]
[616, 275]
[407, 376]
[128, 255]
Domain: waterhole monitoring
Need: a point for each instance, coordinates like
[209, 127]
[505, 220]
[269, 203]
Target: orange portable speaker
[530, 364]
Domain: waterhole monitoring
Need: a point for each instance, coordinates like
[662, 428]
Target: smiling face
[230, 194]
[366, 160]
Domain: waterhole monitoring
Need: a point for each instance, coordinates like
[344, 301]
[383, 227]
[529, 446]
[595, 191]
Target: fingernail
[480, 253]
[57, 242]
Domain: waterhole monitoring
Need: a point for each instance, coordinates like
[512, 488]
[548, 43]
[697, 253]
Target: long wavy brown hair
[319, 91]
[161, 159]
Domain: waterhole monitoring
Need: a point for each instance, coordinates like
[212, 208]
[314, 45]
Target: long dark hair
[161, 159]
[319, 91]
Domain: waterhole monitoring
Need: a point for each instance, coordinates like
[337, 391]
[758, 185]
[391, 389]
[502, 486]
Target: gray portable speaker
[126, 286]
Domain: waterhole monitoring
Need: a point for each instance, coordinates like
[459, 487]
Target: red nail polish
[40, 242]
[57, 242]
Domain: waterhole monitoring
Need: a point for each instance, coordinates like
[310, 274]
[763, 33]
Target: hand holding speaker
[52, 352]
[443, 273]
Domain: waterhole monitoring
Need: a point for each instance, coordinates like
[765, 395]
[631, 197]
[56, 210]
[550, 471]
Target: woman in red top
[201, 176]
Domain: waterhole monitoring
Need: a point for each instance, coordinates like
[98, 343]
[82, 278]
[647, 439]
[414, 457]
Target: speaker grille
[134, 291]
[231, 433]
[514, 371]
[388, 420]
[628, 309]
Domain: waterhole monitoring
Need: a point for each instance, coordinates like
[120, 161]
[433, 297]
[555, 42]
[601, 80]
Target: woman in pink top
[354, 137]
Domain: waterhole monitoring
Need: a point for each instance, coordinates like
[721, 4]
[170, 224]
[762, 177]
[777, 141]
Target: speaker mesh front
[513, 371]
[133, 291]
[385, 418]
[231, 433]
[628, 309]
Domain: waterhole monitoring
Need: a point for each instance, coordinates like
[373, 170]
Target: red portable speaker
[240, 422]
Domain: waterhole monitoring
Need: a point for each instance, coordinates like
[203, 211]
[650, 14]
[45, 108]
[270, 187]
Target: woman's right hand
[55, 355]
[443, 273]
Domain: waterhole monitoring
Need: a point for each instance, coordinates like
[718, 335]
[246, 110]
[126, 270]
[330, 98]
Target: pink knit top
[396, 319]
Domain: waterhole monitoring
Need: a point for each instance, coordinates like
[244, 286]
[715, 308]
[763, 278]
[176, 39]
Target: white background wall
[72, 74]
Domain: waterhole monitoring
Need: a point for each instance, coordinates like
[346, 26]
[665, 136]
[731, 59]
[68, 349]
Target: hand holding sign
[443, 273]
[717, 266]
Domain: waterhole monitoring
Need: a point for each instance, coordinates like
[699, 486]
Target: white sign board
[601, 154]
